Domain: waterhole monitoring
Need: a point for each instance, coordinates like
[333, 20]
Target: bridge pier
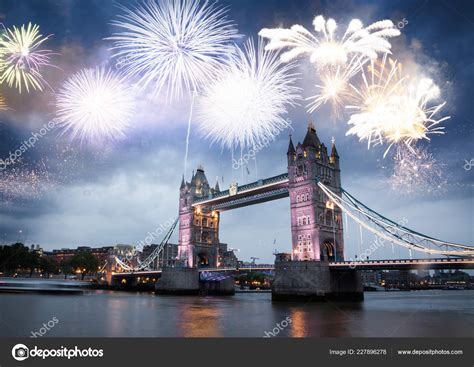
[178, 281]
[186, 281]
[315, 281]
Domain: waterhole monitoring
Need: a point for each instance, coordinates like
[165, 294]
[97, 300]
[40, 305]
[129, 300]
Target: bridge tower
[316, 223]
[198, 227]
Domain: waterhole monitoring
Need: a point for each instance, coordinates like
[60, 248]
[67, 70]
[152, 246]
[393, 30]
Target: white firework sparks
[337, 59]
[324, 48]
[173, 44]
[24, 183]
[21, 57]
[394, 109]
[335, 89]
[95, 104]
[246, 104]
[416, 171]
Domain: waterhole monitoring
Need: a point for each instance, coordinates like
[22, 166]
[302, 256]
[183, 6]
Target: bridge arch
[328, 250]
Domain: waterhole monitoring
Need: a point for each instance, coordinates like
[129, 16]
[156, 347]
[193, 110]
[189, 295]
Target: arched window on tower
[338, 221]
[329, 218]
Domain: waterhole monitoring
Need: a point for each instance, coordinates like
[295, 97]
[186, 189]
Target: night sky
[107, 193]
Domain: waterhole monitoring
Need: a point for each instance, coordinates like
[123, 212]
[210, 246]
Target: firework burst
[324, 48]
[416, 171]
[173, 44]
[22, 58]
[246, 104]
[95, 104]
[337, 59]
[394, 109]
[334, 89]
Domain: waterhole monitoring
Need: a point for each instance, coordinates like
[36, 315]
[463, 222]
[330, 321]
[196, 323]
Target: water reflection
[199, 320]
[298, 323]
[116, 314]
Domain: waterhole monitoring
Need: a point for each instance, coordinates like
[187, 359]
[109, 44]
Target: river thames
[120, 314]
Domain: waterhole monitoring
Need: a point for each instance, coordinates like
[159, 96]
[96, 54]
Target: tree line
[17, 258]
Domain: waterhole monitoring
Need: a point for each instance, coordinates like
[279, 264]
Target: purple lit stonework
[198, 227]
[316, 224]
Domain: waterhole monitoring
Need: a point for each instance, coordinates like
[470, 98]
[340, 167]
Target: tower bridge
[316, 267]
[316, 226]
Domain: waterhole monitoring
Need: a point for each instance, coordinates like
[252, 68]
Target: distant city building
[370, 277]
[282, 257]
[101, 253]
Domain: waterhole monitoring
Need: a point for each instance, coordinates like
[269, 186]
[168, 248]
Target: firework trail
[95, 104]
[337, 59]
[21, 58]
[394, 109]
[245, 106]
[174, 45]
[416, 171]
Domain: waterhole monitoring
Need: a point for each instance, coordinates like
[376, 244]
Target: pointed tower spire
[291, 147]
[182, 183]
[311, 139]
[333, 149]
[216, 188]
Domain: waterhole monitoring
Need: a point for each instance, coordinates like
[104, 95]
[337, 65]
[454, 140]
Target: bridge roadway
[253, 193]
[407, 264]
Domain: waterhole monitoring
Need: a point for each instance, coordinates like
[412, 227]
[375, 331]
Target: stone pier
[186, 281]
[178, 281]
[315, 281]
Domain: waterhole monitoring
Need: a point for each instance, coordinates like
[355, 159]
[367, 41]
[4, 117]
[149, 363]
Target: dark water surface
[117, 314]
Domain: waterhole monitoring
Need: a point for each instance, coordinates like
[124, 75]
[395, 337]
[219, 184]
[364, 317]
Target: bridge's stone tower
[198, 227]
[316, 223]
